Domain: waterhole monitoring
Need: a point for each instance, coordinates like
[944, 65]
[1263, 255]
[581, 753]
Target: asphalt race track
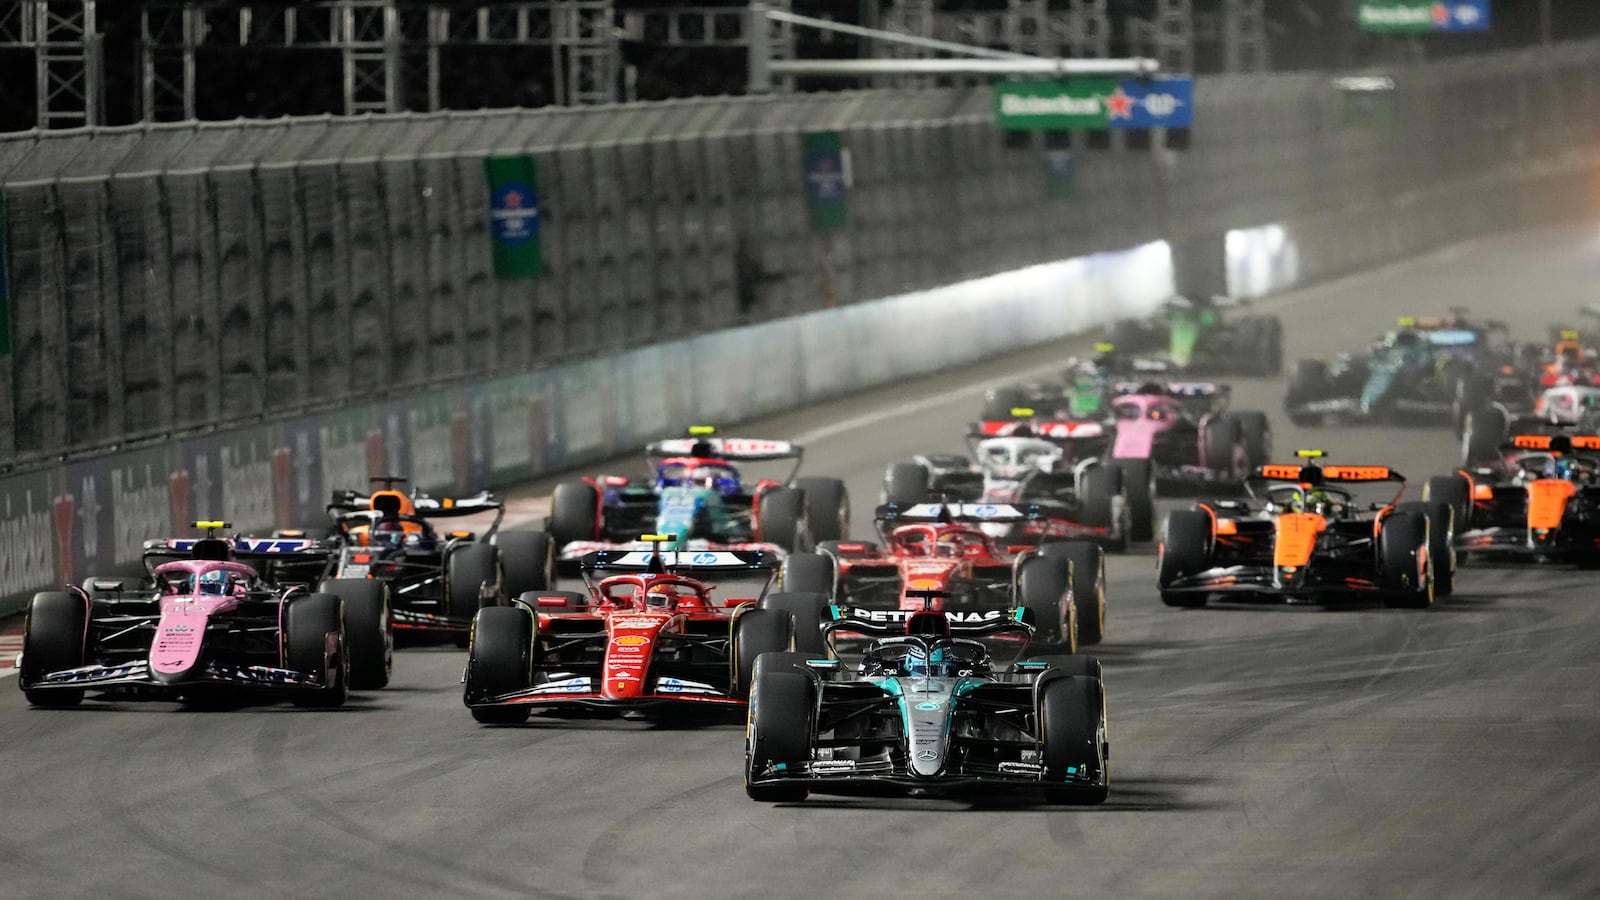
[1257, 751]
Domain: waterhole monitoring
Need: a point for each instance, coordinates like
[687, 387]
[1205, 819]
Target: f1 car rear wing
[1553, 443]
[685, 562]
[1314, 475]
[349, 501]
[1174, 388]
[894, 622]
[729, 448]
[1025, 425]
[893, 514]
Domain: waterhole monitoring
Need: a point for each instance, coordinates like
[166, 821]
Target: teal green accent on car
[689, 512]
[1185, 329]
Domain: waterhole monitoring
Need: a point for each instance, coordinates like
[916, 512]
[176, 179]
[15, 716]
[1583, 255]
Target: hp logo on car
[704, 559]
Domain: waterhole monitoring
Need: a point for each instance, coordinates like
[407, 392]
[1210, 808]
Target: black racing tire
[782, 707]
[1075, 664]
[574, 513]
[783, 520]
[999, 402]
[1256, 432]
[466, 569]
[527, 561]
[827, 507]
[1098, 488]
[1072, 730]
[1088, 585]
[905, 484]
[1454, 490]
[1482, 433]
[810, 611]
[1139, 487]
[499, 661]
[1044, 585]
[53, 637]
[755, 632]
[307, 622]
[1222, 447]
[1308, 383]
[368, 629]
[1441, 542]
[808, 573]
[1402, 534]
[1186, 549]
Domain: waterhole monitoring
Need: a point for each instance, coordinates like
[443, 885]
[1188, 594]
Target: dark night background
[255, 82]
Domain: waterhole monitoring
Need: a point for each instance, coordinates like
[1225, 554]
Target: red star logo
[1441, 14]
[513, 199]
[1119, 105]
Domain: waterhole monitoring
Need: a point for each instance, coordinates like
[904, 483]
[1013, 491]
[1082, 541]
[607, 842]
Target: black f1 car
[927, 711]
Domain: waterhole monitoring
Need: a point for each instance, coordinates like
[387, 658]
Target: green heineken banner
[827, 186]
[514, 215]
[1413, 16]
[5, 287]
[1096, 102]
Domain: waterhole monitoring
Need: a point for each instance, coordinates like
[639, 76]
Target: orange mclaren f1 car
[1540, 501]
[1304, 536]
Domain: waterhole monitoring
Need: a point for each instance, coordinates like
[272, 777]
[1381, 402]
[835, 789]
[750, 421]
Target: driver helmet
[1555, 467]
[1406, 339]
[387, 532]
[918, 661]
[716, 478]
[215, 583]
[660, 596]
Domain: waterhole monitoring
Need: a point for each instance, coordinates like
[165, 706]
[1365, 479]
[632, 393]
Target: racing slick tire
[52, 641]
[1088, 585]
[1455, 491]
[809, 610]
[527, 561]
[1223, 448]
[905, 484]
[827, 507]
[307, 622]
[1139, 486]
[1098, 489]
[1441, 542]
[1076, 664]
[466, 570]
[1482, 433]
[783, 519]
[1308, 383]
[1185, 550]
[1257, 434]
[1072, 730]
[1402, 536]
[1044, 585]
[755, 632]
[499, 660]
[574, 513]
[782, 701]
[368, 629]
[807, 573]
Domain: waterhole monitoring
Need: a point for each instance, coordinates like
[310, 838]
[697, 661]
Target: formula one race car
[1309, 540]
[696, 493]
[1541, 501]
[1426, 369]
[1187, 434]
[1205, 336]
[437, 581]
[928, 711]
[203, 627]
[645, 636]
[1108, 502]
[1558, 409]
[942, 547]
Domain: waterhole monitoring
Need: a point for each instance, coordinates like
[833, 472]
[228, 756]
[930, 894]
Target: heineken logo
[1063, 105]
